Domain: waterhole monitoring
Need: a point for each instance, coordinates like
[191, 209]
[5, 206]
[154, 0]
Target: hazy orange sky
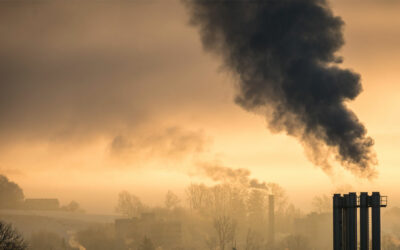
[103, 96]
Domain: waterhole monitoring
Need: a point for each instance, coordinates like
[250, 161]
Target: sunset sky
[102, 96]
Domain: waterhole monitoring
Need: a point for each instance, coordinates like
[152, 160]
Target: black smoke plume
[283, 55]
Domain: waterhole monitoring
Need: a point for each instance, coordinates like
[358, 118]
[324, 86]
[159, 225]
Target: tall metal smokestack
[271, 220]
[337, 222]
[376, 220]
[352, 221]
[364, 221]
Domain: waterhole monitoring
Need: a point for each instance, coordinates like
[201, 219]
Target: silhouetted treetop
[11, 195]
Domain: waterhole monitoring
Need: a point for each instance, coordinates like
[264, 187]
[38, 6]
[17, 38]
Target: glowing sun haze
[103, 96]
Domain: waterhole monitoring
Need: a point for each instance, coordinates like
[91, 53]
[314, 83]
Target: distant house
[42, 204]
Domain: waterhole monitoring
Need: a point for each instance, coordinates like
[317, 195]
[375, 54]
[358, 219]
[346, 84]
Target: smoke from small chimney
[282, 53]
[224, 174]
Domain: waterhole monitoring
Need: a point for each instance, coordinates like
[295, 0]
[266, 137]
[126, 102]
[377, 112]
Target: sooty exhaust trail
[282, 53]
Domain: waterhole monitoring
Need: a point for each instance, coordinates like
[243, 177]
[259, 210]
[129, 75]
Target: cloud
[168, 144]
[79, 71]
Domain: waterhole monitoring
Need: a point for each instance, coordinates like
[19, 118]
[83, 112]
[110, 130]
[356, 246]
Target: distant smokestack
[283, 54]
[271, 220]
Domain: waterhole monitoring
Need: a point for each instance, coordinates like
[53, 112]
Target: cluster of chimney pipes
[345, 220]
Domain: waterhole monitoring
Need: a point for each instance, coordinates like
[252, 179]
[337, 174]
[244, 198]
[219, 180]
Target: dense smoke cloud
[283, 54]
[224, 174]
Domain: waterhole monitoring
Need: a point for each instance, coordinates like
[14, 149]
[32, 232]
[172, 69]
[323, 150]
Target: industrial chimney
[345, 220]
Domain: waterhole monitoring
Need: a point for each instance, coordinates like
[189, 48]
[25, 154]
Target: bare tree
[171, 200]
[256, 206]
[197, 195]
[322, 204]
[281, 199]
[10, 239]
[220, 199]
[129, 204]
[225, 226]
